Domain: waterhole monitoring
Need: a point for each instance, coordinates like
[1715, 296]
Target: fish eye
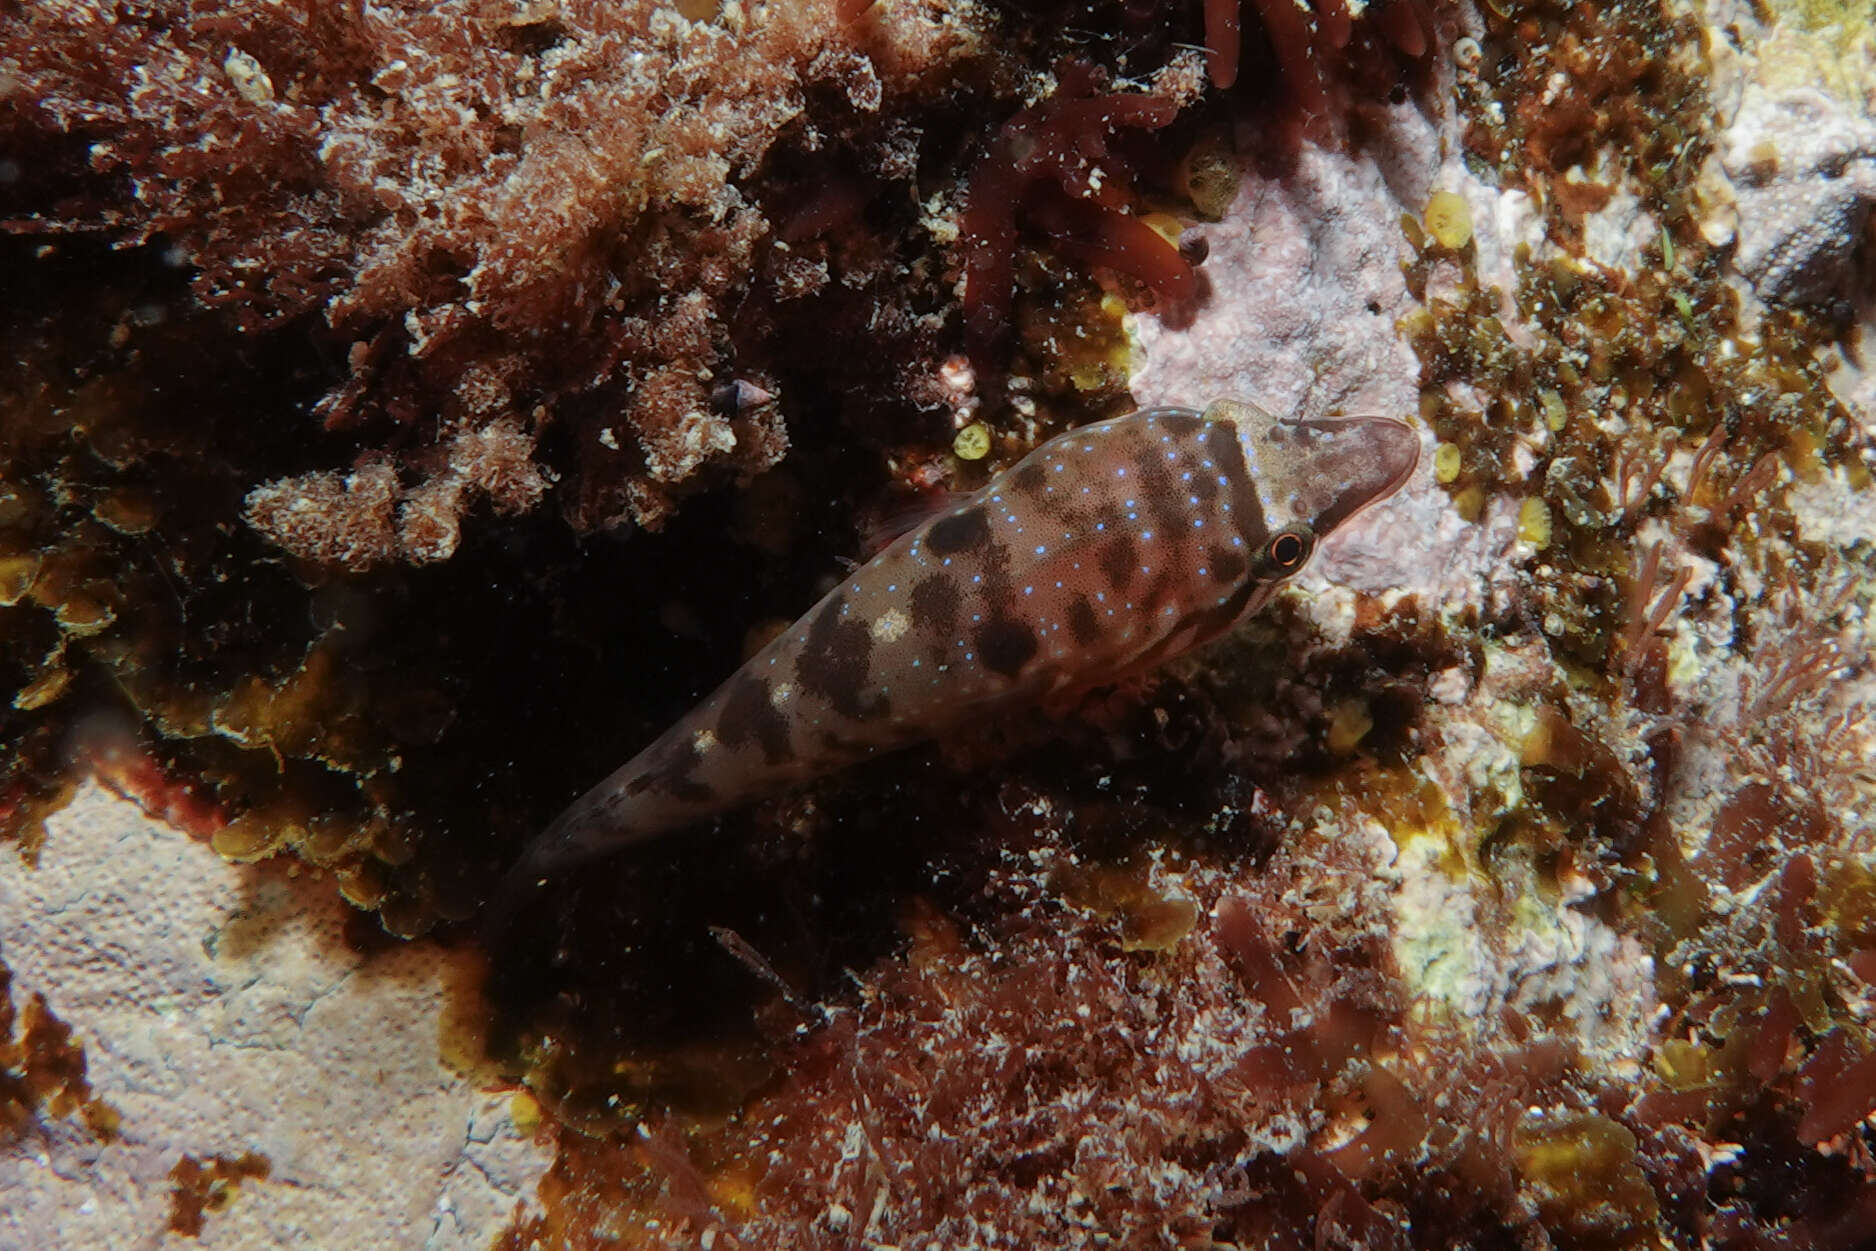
[1288, 550]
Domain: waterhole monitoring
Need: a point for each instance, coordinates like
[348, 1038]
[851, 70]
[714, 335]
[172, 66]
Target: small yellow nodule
[1165, 225]
[1555, 414]
[972, 442]
[1349, 723]
[1449, 219]
[525, 1111]
[1446, 463]
[1534, 522]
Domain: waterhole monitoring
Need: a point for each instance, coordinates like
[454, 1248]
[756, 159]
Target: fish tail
[586, 831]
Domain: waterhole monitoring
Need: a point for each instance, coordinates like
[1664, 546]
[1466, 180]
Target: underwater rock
[1305, 284]
[1792, 175]
[1507, 882]
[225, 1018]
[1803, 167]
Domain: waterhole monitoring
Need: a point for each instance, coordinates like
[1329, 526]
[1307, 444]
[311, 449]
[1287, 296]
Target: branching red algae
[502, 217]
[1306, 38]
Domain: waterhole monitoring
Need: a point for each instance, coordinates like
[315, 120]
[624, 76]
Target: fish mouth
[1367, 459]
[1405, 447]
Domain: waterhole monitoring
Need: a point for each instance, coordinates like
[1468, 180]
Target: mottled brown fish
[1101, 554]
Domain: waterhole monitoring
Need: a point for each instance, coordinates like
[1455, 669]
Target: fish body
[1102, 553]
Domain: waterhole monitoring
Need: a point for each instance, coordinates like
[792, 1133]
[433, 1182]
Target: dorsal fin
[905, 514]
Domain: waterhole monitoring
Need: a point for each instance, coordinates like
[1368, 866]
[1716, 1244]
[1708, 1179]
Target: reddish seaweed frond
[1637, 473]
[1221, 41]
[1750, 483]
[1706, 485]
[1800, 654]
[1837, 1087]
[1651, 602]
[1705, 457]
[1303, 36]
[1796, 670]
[685, 1199]
[1051, 165]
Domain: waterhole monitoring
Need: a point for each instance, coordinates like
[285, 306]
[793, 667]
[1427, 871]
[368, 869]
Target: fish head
[1313, 474]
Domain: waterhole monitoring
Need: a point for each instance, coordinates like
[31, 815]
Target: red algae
[1053, 161]
[1084, 232]
[487, 212]
[1838, 1085]
[1308, 40]
[1221, 41]
[1290, 28]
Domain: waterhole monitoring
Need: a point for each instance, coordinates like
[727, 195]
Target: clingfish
[1104, 552]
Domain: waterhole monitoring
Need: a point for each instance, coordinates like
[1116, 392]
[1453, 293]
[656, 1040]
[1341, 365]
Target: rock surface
[222, 1012]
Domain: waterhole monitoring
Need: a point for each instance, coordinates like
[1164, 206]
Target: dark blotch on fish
[670, 769]
[935, 603]
[1119, 560]
[960, 533]
[835, 662]
[749, 713]
[1182, 425]
[1005, 646]
[1225, 564]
